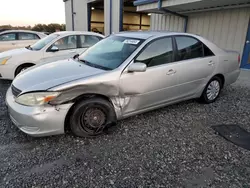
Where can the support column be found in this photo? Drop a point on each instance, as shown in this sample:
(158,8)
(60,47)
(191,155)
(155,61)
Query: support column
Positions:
(112,16)
(89,16)
(81,16)
(68,15)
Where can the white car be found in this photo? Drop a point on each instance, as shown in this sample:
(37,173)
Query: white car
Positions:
(56,46)
(12,39)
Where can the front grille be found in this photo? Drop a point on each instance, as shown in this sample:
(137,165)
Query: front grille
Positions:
(15,91)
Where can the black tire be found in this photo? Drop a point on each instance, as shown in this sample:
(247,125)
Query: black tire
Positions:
(82,125)
(22,67)
(204,97)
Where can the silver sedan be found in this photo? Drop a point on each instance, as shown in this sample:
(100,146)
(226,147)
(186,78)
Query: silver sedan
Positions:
(123,75)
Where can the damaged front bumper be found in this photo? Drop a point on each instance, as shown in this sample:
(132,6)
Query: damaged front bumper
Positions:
(37,121)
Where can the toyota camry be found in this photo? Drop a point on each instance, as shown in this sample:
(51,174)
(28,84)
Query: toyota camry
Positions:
(122,75)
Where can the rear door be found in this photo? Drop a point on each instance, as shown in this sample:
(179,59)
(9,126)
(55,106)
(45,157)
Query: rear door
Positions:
(197,64)
(26,39)
(8,41)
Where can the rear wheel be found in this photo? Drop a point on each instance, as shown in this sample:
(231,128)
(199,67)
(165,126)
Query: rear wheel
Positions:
(212,90)
(90,117)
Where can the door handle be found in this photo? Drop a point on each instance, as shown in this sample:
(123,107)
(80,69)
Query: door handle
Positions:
(171,72)
(211,63)
(13,43)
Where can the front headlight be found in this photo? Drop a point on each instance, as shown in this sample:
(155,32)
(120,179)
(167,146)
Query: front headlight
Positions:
(4,60)
(36,99)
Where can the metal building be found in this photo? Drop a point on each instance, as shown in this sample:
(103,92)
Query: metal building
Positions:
(106,16)
(225,22)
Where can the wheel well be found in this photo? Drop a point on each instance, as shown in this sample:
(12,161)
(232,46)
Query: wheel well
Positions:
(23,65)
(76,101)
(221,77)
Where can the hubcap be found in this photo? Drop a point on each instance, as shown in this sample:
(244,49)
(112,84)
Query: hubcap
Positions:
(213,90)
(23,69)
(93,120)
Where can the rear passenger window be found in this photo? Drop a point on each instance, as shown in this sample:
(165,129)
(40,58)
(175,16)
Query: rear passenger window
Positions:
(157,53)
(207,51)
(188,48)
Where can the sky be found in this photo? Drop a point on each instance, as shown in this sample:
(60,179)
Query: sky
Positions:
(31,12)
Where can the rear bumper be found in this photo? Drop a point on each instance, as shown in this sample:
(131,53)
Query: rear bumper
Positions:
(232,77)
(37,121)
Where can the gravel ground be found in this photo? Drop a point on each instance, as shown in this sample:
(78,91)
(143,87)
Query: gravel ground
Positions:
(171,147)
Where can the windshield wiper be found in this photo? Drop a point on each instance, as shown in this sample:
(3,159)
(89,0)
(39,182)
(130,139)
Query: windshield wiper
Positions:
(95,65)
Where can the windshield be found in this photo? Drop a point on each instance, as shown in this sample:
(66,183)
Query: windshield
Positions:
(43,42)
(110,52)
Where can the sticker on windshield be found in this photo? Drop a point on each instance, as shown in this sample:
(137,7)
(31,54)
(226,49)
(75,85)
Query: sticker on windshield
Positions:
(131,41)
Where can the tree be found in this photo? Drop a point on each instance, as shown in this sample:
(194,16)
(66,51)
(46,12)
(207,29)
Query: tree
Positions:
(49,28)
(38,27)
(15,27)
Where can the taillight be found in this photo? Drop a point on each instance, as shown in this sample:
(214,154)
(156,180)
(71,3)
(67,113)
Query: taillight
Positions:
(239,59)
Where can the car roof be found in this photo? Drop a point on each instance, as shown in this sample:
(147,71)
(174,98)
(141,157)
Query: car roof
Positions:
(23,31)
(148,34)
(62,33)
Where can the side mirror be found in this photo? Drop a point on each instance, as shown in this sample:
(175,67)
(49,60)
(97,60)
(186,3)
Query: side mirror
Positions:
(54,49)
(76,56)
(137,67)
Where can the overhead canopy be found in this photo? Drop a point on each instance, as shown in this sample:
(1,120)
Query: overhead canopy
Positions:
(188,6)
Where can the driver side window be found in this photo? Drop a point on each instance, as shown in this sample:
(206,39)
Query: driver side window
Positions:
(66,43)
(157,53)
(88,40)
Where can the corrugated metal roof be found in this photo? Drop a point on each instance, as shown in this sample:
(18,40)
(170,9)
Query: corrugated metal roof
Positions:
(192,5)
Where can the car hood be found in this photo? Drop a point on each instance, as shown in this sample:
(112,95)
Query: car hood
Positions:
(48,75)
(14,52)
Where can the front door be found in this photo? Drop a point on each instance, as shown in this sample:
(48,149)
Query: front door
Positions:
(246,54)
(158,84)
(26,39)
(67,48)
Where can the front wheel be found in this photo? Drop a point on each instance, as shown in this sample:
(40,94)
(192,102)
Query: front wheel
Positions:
(212,90)
(22,68)
(91,116)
